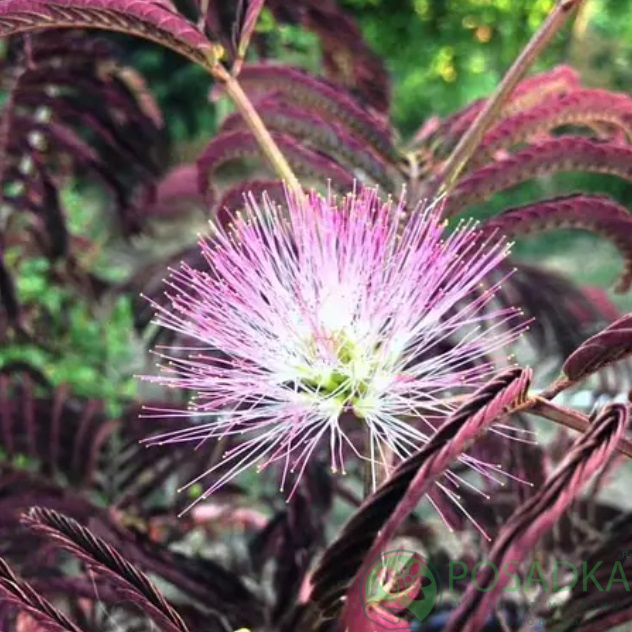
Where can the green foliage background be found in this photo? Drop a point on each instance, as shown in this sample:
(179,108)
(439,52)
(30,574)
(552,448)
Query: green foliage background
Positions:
(441,54)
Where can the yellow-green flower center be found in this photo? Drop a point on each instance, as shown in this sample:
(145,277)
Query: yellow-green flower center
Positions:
(348,381)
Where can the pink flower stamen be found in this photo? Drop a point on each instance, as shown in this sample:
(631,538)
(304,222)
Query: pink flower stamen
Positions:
(325,310)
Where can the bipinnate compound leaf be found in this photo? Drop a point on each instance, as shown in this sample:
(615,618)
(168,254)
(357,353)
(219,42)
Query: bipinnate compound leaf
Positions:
(535,517)
(565,153)
(595,213)
(610,345)
(27,599)
(145,18)
(369,530)
(104,560)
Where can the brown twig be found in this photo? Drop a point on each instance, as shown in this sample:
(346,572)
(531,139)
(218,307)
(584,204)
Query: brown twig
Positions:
(268,146)
(201,23)
(571,419)
(554,389)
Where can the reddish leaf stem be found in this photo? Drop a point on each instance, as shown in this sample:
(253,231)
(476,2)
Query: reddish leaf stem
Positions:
(471,139)
(571,419)
(258,129)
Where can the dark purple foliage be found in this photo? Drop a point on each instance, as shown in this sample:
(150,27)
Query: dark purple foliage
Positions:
(91,536)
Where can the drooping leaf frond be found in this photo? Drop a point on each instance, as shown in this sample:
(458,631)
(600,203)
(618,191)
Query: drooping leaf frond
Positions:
(588,455)
(308,163)
(611,345)
(298,87)
(597,214)
(443,136)
(26,598)
(152,20)
(64,437)
(562,314)
(604,113)
(103,559)
(566,153)
(326,136)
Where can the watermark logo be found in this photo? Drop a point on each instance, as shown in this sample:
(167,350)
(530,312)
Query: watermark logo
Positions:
(400,587)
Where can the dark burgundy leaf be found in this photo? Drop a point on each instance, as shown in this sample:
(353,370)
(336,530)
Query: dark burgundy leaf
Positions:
(580,108)
(565,153)
(594,213)
(149,19)
(66,436)
(326,136)
(611,345)
(368,531)
(306,162)
(589,454)
(528,93)
(348,59)
(176,195)
(26,598)
(328,100)
(104,560)
(562,316)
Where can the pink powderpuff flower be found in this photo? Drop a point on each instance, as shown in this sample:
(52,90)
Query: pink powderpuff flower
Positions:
(327,317)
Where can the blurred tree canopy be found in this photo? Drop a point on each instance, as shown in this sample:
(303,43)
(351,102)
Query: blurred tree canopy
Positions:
(441,54)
